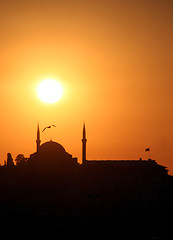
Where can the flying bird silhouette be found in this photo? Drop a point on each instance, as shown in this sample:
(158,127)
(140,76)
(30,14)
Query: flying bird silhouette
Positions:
(48,127)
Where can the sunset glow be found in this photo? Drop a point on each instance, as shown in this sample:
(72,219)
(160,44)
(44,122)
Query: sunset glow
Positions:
(113,60)
(49,91)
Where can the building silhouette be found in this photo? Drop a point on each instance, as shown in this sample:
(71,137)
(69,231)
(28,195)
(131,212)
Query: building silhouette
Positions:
(52,154)
(52,196)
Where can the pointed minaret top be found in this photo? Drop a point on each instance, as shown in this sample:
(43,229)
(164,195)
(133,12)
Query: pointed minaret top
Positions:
(38,129)
(84,140)
(84,126)
(38,141)
(84,131)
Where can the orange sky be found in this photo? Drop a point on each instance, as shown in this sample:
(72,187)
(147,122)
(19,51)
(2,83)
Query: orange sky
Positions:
(114,60)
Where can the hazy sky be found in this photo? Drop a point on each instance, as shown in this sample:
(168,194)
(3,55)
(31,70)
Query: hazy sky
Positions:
(114,60)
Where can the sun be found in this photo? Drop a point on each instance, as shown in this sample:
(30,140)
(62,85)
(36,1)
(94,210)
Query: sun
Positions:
(49,91)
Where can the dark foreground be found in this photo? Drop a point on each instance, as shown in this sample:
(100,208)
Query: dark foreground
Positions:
(85,204)
(52,226)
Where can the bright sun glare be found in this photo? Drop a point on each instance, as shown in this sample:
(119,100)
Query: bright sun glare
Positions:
(49,91)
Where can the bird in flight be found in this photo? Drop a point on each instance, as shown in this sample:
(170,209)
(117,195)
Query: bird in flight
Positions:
(48,127)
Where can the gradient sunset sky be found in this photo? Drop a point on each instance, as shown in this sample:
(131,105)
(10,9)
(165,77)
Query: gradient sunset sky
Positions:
(114,61)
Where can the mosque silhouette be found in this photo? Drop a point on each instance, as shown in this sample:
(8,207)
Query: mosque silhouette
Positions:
(53,155)
(52,196)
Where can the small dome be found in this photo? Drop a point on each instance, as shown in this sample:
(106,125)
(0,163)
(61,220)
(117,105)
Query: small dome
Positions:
(52,147)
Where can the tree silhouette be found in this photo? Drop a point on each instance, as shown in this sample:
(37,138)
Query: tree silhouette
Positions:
(9,160)
(20,160)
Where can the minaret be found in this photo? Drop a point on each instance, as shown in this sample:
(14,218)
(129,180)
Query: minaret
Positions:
(84,140)
(38,141)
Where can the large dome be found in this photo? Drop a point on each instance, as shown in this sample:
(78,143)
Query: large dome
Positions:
(51,155)
(52,147)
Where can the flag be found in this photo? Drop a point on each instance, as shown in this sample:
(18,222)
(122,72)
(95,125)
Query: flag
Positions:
(147,149)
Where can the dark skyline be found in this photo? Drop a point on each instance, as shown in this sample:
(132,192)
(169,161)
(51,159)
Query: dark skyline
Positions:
(50,194)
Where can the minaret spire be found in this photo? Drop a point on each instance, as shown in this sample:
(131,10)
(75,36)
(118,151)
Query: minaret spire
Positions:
(84,140)
(38,141)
